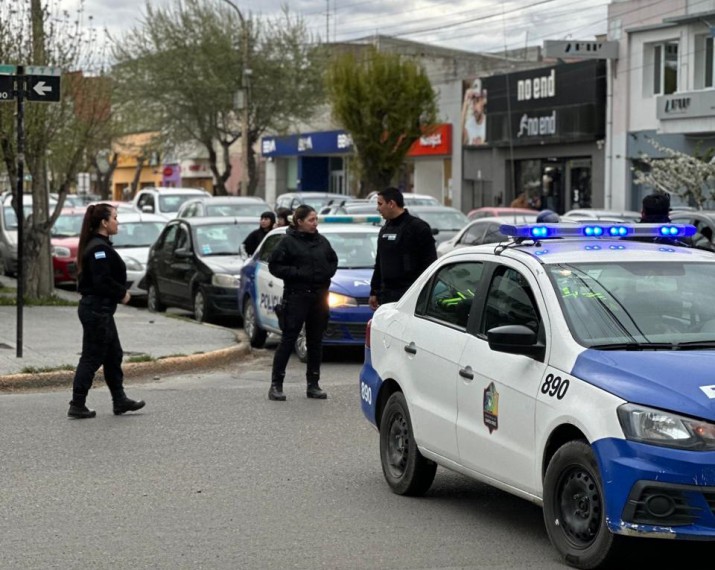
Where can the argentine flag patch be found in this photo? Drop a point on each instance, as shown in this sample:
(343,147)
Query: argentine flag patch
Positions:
(100,255)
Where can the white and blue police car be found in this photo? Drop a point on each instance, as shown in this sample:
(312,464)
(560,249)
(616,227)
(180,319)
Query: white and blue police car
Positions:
(566,365)
(354,239)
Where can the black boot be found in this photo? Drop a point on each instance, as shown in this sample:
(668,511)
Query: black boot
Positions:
(123,404)
(80,411)
(276,392)
(314,391)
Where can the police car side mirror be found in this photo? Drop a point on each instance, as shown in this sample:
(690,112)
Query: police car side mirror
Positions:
(148,208)
(515,339)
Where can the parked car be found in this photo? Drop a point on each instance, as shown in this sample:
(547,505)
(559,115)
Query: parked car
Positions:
(356,246)
(64,240)
(575,373)
(121,206)
(499,212)
(589,214)
(137,233)
(8,229)
(483,230)
(704,222)
(195,265)
(213,206)
(164,201)
(362,207)
(445,221)
(318,200)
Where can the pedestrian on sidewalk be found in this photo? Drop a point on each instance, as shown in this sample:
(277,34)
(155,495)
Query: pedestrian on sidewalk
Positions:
(102,279)
(306,262)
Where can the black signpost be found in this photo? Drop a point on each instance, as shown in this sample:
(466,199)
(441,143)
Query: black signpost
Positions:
(18,83)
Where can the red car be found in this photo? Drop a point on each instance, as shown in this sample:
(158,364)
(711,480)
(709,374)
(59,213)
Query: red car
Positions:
(64,241)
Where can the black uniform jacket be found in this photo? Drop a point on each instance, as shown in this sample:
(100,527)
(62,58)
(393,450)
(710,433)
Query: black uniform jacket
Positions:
(253,240)
(304,261)
(405,248)
(104,273)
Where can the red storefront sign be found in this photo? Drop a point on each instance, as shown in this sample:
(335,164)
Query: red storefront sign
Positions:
(437,143)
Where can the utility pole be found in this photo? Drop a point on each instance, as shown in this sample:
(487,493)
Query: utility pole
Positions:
(242,98)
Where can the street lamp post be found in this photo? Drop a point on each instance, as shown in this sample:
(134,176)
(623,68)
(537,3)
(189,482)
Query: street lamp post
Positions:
(242,99)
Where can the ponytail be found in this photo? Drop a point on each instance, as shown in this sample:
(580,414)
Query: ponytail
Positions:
(90,224)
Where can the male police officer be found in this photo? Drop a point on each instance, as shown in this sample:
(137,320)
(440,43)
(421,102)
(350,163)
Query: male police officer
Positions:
(405,248)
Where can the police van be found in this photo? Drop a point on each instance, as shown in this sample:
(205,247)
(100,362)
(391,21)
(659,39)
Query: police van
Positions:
(571,365)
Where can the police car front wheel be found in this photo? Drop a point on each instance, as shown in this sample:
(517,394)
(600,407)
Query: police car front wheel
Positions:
(574,509)
(406,470)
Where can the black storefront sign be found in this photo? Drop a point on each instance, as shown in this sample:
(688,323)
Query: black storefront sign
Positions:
(551,105)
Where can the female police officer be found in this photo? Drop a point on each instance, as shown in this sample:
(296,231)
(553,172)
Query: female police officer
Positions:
(305,261)
(102,283)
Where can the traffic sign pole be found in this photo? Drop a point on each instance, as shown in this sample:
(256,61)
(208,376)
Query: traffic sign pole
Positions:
(19,209)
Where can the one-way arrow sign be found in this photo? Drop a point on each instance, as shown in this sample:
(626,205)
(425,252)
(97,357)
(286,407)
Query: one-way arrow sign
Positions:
(43,84)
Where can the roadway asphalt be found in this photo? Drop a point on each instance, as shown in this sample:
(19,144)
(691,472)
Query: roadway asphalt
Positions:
(51,340)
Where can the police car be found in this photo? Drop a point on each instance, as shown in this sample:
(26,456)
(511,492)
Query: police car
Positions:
(354,239)
(565,365)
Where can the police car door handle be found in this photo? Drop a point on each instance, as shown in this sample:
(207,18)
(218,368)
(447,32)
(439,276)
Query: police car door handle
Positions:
(410,348)
(466,373)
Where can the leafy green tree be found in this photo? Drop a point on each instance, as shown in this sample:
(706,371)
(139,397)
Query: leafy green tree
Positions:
(56,135)
(184,64)
(692,177)
(385,102)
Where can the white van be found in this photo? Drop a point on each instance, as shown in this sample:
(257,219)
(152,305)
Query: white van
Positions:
(8,230)
(164,202)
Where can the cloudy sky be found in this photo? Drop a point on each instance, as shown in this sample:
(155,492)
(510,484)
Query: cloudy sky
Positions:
(474,25)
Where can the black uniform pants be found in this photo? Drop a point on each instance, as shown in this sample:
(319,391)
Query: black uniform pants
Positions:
(309,308)
(100,346)
(390,295)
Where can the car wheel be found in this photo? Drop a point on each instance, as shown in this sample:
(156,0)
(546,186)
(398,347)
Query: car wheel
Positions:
(202,313)
(301,346)
(574,512)
(256,335)
(153,302)
(406,470)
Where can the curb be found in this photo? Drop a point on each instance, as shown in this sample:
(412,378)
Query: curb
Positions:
(132,370)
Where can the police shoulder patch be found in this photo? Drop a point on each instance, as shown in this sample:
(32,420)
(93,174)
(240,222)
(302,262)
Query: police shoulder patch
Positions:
(100,255)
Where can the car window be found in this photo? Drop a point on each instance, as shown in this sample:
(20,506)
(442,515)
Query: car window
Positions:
(493,233)
(137,234)
(182,239)
(236,209)
(268,246)
(449,294)
(354,250)
(473,235)
(510,301)
(170,203)
(167,240)
(223,239)
(67,225)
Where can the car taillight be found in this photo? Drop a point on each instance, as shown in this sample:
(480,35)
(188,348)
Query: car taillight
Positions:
(367,333)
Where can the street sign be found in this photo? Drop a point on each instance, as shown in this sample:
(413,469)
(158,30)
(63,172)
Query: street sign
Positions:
(7,88)
(42,83)
(6,69)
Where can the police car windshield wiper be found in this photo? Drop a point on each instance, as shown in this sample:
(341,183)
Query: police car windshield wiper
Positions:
(696,344)
(636,346)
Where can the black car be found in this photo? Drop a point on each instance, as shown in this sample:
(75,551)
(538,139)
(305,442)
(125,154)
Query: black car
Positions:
(195,265)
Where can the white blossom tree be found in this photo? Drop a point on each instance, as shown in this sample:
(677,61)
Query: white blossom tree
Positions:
(691,177)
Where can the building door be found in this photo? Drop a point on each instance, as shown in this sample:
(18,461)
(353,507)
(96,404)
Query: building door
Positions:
(337,182)
(579,183)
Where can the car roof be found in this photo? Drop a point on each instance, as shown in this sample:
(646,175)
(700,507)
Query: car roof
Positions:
(692,214)
(228,199)
(173,190)
(595,213)
(336,227)
(216,220)
(134,217)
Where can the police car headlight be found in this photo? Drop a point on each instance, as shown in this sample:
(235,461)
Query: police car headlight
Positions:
(226,280)
(337,300)
(60,252)
(657,427)
(133,264)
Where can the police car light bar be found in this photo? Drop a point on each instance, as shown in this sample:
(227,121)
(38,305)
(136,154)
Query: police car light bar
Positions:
(546,231)
(335,219)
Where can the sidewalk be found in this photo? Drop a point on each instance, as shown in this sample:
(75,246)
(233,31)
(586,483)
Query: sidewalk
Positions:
(52,338)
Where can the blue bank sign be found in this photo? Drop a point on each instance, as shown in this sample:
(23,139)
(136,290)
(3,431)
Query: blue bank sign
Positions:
(307,144)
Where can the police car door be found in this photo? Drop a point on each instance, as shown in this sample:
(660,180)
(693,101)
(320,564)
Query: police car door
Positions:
(497,391)
(269,289)
(434,341)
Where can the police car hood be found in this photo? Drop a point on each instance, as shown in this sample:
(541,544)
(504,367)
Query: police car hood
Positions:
(681,381)
(230,264)
(352,282)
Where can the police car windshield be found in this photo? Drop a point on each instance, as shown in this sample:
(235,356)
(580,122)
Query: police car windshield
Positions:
(638,305)
(354,250)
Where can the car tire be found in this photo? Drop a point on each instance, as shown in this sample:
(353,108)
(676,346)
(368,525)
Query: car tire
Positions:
(202,312)
(256,335)
(153,301)
(301,346)
(574,511)
(406,470)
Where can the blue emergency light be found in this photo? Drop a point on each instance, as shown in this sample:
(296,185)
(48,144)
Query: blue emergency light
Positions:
(336,219)
(580,230)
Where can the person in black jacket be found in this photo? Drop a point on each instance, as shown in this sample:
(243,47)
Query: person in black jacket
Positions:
(405,248)
(306,262)
(102,279)
(254,239)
